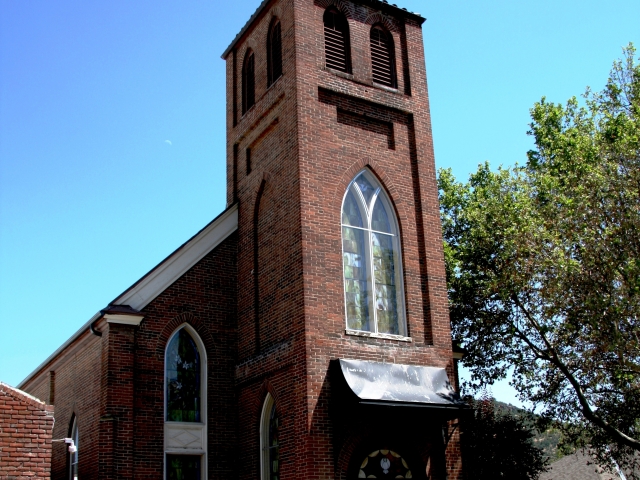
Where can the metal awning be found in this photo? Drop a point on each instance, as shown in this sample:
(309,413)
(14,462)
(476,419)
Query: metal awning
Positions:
(400,385)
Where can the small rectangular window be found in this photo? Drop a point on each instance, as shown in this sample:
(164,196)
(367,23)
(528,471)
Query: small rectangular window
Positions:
(184,467)
(248,154)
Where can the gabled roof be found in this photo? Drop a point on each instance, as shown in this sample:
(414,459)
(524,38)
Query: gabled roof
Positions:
(141,293)
(383,5)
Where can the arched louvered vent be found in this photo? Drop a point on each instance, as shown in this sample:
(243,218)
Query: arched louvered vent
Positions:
(248,82)
(274,53)
(382,57)
(336,41)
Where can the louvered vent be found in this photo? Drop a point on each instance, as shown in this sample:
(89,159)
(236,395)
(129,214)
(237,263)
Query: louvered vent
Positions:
(382,64)
(336,41)
(274,54)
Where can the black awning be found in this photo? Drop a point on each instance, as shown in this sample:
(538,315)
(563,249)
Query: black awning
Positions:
(400,385)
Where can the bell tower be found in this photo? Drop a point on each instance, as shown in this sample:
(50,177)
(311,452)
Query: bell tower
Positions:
(345,365)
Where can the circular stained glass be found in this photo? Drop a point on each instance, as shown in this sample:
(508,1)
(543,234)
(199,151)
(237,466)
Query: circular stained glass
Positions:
(384,464)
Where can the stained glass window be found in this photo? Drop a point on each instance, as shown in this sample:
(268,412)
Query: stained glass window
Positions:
(371,259)
(384,464)
(183,379)
(270,440)
(183,467)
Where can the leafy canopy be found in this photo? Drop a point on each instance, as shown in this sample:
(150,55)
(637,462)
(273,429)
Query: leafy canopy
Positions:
(543,266)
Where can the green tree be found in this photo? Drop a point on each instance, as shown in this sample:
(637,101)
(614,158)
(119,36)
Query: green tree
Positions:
(500,444)
(543,267)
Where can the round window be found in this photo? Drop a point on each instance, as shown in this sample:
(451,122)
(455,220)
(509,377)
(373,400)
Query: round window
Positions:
(384,464)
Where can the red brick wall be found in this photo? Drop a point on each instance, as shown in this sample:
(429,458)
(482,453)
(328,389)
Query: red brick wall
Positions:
(323,127)
(205,298)
(26,425)
(114,383)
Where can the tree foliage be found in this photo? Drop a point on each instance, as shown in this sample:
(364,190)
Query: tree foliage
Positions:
(500,444)
(543,266)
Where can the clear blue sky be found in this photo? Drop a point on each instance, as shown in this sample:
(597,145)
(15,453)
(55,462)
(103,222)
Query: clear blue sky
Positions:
(112,130)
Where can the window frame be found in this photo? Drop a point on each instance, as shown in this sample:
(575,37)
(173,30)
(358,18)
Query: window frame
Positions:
(246,106)
(74,434)
(197,429)
(366,216)
(271,78)
(392,56)
(346,34)
(268,406)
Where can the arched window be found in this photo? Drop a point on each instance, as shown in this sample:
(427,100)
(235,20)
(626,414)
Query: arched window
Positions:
(383,64)
(337,48)
(274,52)
(371,259)
(73,456)
(185,427)
(269,441)
(248,81)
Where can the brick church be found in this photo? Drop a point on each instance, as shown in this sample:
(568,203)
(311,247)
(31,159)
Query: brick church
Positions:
(304,332)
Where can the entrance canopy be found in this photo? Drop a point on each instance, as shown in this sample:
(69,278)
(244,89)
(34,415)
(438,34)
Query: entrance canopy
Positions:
(400,385)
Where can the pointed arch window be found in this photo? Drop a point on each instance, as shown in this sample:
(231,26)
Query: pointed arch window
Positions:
(372,268)
(73,456)
(269,441)
(337,45)
(248,81)
(185,428)
(383,64)
(274,52)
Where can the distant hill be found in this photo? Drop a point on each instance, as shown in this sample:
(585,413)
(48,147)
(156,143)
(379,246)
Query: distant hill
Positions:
(547,440)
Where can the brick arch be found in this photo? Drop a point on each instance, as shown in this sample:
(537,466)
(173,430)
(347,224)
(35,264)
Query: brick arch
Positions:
(266,28)
(346,8)
(387,22)
(387,184)
(359,444)
(266,387)
(172,325)
(275,13)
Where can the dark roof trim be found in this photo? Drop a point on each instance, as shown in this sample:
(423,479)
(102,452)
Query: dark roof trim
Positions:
(383,5)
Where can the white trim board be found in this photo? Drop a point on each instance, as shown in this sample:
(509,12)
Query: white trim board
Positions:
(179,262)
(161,276)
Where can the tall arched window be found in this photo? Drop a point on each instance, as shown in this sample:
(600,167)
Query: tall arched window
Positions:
(248,81)
(337,47)
(383,64)
(269,441)
(274,52)
(73,456)
(185,405)
(371,260)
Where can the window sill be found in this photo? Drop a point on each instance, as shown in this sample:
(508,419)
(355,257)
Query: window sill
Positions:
(386,336)
(384,87)
(339,73)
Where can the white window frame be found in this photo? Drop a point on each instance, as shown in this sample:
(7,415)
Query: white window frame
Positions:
(265,417)
(176,433)
(366,212)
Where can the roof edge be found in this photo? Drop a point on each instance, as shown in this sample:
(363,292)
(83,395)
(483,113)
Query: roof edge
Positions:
(227,214)
(382,4)
(156,280)
(60,349)
(22,395)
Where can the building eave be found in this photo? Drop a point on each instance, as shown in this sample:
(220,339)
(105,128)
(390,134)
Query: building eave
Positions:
(383,5)
(141,293)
